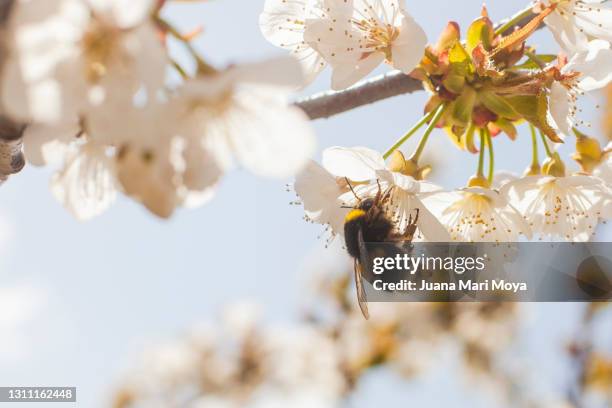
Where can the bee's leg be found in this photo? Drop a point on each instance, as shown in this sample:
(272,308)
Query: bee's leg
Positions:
(411,227)
(387,195)
(416,217)
(352,190)
(379,192)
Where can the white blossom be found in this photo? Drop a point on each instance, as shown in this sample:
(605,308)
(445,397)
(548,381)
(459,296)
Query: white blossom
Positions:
(477,214)
(568,207)
(85,183)
(586,71)
(355,37)
(295,366)
(283,22)
(149,159)
(575,22)
(69,58)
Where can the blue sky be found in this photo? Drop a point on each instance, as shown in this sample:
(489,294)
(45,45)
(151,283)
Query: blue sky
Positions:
(101,291)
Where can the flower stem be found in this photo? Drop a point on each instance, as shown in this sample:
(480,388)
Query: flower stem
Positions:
(480,172)
(546,147)
(412,131)
(514,20)
(489,140)
(535,160)
(203,66)
(439,111)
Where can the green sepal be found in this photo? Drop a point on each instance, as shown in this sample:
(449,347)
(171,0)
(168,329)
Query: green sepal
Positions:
(534,109)
(498,105)
(463,106)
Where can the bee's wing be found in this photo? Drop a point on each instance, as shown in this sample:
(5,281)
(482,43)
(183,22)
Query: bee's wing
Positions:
(361,263)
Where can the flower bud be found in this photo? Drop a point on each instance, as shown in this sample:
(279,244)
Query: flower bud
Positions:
(533,170)
(588,152)
(588,146)
(410,167)
(479,181)
(554,166)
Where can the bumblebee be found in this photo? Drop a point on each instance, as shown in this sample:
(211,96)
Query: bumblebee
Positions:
(369,222)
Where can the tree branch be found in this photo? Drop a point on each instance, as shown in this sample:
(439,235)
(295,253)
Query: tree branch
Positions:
(11,156)
(326,104)
(330,103)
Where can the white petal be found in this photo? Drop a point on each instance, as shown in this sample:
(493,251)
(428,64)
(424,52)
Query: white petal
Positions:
(268,137)
(320,193)
(53,99)
(406,183)
(356,163)
(123,13)
(202,171)
(408,48)
(604,170)
(501,178)
(283,72)
(347,74)
(430,226)
(86,185)
(338,44)
(559,108)
(148,175)
(594,65)
(566,32)
(596,21)
(147,57)
(282,22)
(312,63)
(45,144)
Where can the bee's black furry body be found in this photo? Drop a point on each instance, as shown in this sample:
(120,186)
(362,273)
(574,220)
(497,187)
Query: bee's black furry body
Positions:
(375,228)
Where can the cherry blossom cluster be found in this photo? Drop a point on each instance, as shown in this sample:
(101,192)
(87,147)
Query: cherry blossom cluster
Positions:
(241,361)
(89,78)
(485,84)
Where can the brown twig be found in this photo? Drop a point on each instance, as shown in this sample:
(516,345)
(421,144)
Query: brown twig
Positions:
(326,104)
(11,156)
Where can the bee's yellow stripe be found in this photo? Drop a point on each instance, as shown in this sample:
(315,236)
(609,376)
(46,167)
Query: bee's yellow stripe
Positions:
(354,214)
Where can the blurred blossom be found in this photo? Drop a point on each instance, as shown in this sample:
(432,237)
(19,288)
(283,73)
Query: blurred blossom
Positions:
(243,114)
(70,58)
(316,363)
(260,367)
